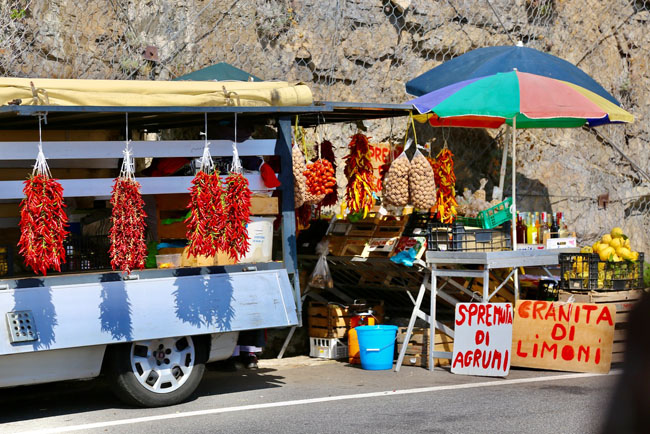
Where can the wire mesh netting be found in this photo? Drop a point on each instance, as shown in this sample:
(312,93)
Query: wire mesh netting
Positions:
(365,50)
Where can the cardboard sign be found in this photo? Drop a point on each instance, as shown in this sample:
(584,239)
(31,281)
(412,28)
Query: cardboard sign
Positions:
(482,339)
(380,155)
(563,336)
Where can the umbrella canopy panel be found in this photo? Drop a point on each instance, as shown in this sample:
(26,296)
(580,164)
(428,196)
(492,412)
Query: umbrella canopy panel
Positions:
(219,72)
(487,61)
(535,101)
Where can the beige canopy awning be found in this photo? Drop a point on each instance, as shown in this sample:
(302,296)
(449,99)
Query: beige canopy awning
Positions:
(44,91)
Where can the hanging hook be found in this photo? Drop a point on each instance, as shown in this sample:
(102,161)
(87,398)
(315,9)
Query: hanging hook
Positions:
(236,166)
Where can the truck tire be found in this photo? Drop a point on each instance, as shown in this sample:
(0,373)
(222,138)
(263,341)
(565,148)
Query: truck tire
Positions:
(157,372)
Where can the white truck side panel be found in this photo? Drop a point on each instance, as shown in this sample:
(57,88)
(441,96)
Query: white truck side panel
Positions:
(82,315)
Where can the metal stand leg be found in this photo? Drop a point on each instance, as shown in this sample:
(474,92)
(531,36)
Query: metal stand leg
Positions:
(432,316)
(516,277)
(414,315)
(486,285)
(286,341)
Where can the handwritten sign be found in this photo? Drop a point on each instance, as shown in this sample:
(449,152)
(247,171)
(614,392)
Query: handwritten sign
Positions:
(563,336)
(379,156)
(482,339)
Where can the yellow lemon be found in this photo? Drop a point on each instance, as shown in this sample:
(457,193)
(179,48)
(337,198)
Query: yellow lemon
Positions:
(624,253)
(616,243)
(601,267)
(617,232)
(606,252)
(626,243)
(587,249)
(607,238)
(634,256)
(596,246)
(616,258)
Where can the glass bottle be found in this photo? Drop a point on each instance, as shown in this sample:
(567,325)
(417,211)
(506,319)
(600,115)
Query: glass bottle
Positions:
(521,230)
(543,228)
(555,228)
(564,231)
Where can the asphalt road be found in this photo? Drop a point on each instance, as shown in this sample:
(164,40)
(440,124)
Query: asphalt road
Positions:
(305,395)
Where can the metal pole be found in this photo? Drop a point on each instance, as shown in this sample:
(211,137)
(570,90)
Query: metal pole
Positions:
(504,167)
(514,200)
(432,316)
(287,207)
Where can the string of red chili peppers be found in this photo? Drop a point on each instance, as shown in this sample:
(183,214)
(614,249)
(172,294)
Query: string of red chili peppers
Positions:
(128,249)
(238,211)
(43,224)
(206,224)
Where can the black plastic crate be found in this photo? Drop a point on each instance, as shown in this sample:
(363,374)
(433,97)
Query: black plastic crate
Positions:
(417,225)
(457,238)
(586,272)
(85,253)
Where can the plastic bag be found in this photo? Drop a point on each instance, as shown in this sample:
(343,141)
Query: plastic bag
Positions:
(422,184)
(321,276)
(396,183)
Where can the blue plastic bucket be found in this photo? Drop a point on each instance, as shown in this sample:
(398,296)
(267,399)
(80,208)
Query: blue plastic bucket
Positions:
(376,346)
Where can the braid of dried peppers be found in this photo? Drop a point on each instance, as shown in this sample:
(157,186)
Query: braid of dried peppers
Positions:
(128,249)
(207,222)
(42,224)
(359,171)
(237,206)
(445,178)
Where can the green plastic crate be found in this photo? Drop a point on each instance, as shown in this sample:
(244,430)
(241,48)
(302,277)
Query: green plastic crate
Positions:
(496,215)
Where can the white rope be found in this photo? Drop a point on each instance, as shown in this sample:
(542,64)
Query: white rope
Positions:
(40,166)
(236,166)
(128,163)
(206,164)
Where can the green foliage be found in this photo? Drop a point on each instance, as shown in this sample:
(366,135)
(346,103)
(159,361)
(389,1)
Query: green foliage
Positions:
(18,14)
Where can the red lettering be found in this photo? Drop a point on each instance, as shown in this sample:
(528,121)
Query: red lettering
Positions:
(496,359)
(550,313)
(577,315)
(589,308)
(550,348)
(488,313)
(567,352)
(535,348)
(473,308)
(572,332)
(565,312)
(479,337)
(559,332)
(597,359)
(477,358)
(468,358)
(486,363)
(537,309)
(523,309)
(506,361)
(481,314)
(384,153)
(583,350)
(605,316)
(487,338)
(509,311)
(461,314)
(458,359)
(519,352)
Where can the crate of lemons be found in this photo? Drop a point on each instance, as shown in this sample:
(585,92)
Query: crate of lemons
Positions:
(619,266)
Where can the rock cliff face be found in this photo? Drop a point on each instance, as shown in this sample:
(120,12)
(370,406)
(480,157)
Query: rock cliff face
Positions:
(364,50)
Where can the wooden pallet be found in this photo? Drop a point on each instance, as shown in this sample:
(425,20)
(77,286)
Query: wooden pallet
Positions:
(346,246)
(623,301)
(327,320)
(390,227)
(417,350)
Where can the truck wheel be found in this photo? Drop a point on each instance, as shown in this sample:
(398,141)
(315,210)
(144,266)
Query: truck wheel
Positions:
(157,372)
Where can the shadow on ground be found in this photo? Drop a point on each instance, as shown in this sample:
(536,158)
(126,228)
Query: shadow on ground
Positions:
(74,397)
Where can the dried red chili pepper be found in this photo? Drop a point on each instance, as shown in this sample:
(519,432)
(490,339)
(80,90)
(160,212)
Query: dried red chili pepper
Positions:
(43,224)
(128,249)
(445,179)
(237,207)
(327,153)
(207,222)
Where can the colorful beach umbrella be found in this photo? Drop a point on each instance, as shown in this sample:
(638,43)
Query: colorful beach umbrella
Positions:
(521,100)
(487,61)
(517,98)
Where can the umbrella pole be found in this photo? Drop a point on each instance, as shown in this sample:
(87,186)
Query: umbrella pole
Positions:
(514,201)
